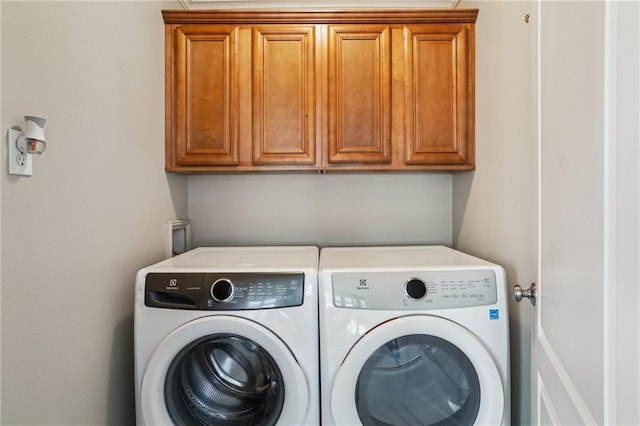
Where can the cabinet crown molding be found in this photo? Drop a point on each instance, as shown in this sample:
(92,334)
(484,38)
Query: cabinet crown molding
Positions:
(298,16)
(315,4)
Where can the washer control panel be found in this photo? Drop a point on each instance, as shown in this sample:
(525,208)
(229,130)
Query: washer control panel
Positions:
(224,291)
(414,290)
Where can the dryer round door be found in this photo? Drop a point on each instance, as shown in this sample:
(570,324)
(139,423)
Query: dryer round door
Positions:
(421,370)
(223,370)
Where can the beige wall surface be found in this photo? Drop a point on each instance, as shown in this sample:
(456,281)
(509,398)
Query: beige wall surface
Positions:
(95,210)
(494,207)
(321,209)
(93,213)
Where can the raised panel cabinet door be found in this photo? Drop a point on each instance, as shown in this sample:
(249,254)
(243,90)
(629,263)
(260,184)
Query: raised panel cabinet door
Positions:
(439,94)
(206,95)
(284,94)
(359,94)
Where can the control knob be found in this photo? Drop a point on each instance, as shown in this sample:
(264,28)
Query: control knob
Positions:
(222,290)
(415,289)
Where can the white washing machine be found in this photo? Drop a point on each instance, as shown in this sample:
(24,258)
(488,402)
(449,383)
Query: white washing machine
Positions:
(228,336)
(412,336)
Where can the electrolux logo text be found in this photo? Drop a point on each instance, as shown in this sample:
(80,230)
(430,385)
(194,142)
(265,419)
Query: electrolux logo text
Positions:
(173,284)
(363,284)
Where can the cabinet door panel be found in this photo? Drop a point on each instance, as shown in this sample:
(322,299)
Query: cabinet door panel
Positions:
(439,95)
(359,102)
(284,96)
(206,95)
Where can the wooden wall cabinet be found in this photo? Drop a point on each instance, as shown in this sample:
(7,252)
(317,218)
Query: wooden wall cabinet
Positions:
(284,95)
(319,91)
(359,94)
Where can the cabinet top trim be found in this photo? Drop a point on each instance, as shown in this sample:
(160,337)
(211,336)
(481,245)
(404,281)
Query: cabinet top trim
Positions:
(407,16)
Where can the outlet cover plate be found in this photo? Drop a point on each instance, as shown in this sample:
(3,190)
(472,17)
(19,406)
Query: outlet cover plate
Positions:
(16,167)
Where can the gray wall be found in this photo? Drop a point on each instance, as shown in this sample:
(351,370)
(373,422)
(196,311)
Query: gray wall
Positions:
(321,209)
(95,210)
(494,207)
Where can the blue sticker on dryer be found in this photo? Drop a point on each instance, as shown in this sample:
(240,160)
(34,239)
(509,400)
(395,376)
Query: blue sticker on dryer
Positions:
(494,314)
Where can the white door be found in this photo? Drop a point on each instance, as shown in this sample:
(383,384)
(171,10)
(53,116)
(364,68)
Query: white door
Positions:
(585,360)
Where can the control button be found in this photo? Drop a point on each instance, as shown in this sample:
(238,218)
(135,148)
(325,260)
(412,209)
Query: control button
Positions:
(222,290)
(415,289)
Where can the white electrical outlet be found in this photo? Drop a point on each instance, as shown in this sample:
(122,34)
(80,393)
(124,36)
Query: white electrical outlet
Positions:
(19,163)
(21,160)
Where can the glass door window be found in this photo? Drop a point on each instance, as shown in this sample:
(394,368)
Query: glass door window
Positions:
(225,380)
(418,380)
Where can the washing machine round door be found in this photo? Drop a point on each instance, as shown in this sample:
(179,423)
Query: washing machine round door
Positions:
(223,370)
(418,370)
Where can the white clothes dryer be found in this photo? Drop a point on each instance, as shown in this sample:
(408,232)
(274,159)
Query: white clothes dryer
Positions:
(413,335)
(228,336)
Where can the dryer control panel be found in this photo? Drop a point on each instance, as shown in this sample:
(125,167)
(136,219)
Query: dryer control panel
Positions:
(224,291)
(414,290)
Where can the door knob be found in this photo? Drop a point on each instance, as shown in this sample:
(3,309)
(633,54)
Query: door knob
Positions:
(530,293)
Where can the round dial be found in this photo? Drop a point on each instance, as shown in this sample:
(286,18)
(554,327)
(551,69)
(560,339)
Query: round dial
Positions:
(415,289)
(222,290)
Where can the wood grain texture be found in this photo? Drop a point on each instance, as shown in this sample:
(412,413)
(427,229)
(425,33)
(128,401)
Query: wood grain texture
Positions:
(291,90)
(206,103)
(284,98)
(439,98)
(359,58)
